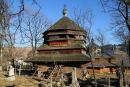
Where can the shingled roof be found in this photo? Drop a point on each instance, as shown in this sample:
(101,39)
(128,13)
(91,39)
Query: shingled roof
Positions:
(75,46)
(73,34)
(65,23)
(59,58)
(101,64)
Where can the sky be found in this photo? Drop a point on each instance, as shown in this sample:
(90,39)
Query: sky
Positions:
(53,10)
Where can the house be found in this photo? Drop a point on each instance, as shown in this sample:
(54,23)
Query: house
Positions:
(64,44)
(101,64)
(111,57)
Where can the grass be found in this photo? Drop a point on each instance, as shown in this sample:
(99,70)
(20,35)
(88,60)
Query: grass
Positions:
(27,81)
(106,75)
(21,81)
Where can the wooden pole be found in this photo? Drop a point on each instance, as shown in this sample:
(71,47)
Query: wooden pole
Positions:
(122,69)
(20,70)
(109,85)
(74,79)
(91,54)
(51,82)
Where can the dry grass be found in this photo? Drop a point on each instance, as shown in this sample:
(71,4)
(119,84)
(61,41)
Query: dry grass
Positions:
(21,81)
(26,81)
(105,75)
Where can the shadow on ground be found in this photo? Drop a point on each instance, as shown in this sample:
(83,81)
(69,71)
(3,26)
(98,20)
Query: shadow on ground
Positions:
(102,82)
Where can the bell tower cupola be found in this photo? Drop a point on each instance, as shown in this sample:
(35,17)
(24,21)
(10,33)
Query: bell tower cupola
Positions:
(65,11)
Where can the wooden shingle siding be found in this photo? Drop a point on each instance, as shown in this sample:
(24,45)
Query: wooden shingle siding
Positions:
(63,42)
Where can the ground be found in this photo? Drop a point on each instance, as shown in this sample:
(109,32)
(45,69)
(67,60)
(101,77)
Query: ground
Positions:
(29,81)
(21,81)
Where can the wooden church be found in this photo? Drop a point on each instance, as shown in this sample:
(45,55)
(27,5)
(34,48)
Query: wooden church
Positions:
(64,44)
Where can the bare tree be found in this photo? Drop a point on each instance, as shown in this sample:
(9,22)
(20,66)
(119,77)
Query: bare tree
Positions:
(5,25)
(35,25)
(85,20)
(122,35)
(4,21)
(120,11)
(6,15)
(100,38)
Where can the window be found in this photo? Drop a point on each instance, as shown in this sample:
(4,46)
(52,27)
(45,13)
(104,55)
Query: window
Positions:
(71,36)
(62,36)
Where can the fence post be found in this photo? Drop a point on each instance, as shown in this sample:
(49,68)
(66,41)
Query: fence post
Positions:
(40,84)
(20,70)
(109,85)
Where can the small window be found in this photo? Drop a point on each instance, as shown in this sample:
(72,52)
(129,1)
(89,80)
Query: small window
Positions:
(55,52)
(62,36)
(71,36)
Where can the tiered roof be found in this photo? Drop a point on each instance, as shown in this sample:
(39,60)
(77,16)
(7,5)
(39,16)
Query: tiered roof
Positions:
(65,23)
(60,58)
(62,25)
(46,47)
